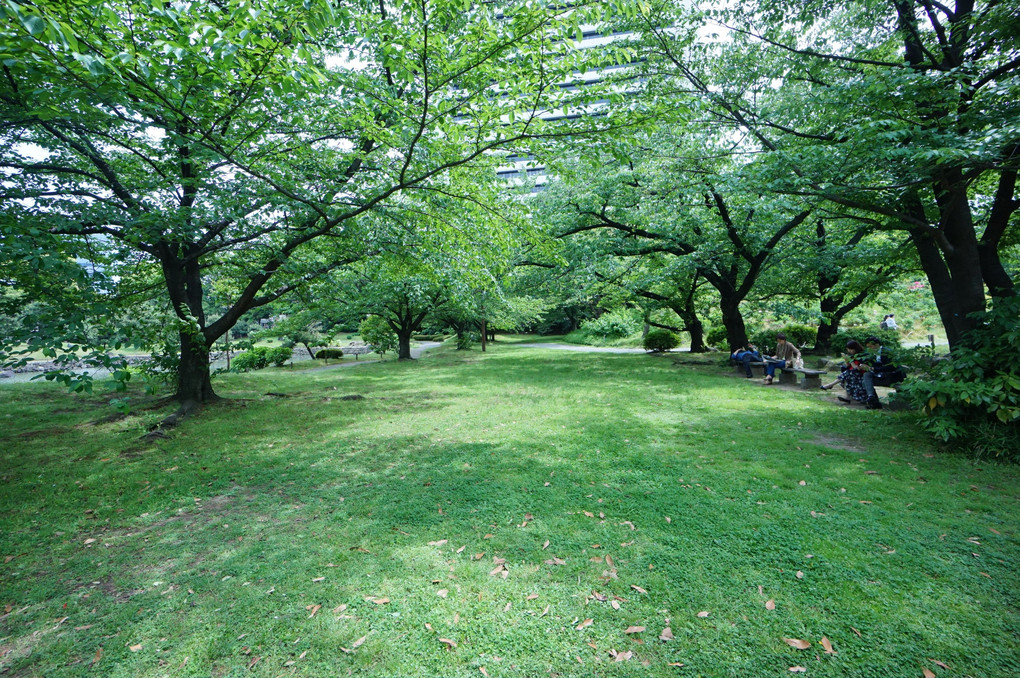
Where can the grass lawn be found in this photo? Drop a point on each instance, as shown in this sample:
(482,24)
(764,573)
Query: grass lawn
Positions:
(515,513)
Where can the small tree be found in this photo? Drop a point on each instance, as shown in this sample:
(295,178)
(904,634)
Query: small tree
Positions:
(378,333)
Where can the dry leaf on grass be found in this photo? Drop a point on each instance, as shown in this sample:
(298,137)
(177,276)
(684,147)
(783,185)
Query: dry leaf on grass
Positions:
(545,611)
(438,543)
(668,519)
(798,669)
(797,643)
(318,579)
(704,613)
(827,645)
(857,632)
(634,629)
(637,588)
(99,655)
(555,561)
(800,575)
(667,634)
(623,656)
(496,570)
(483,671)
(545,545)
(616,605)
(586,622)
(939,664)
(314,609)
(135,648)
(449,643)
(928,673)
(442,593)
(531,596)
(770,604)
(380,601)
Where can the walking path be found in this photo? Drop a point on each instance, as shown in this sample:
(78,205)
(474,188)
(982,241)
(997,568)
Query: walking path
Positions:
(584,349)
(416,352)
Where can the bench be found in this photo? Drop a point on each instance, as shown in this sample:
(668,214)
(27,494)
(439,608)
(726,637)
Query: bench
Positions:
(356,349)
(787,375)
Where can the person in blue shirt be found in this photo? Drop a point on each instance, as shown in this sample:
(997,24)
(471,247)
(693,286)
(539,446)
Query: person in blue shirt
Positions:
(746,354)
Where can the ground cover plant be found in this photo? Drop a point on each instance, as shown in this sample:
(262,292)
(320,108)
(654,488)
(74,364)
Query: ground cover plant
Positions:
(518,512)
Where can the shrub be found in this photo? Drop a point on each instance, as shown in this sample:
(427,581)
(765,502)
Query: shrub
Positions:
(615,325)
(658,341)
(972,399)
(254,358)
(798,335)
(717,337)
(279,355)
(329,354)
(888,338)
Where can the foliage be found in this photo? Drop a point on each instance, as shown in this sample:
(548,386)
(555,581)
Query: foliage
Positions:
(613,325)
(717,337)
(888,338)
(798,335)
(260,357)
(330,354)
(376,332)
(658,341)
(972,398)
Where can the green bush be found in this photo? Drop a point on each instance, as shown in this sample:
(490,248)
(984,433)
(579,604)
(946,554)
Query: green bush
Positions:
(329,354)
(972,399)
(254,358)
(279,355)
(888,338)
(717,337)
(614,325)
(658,341)
(798,335)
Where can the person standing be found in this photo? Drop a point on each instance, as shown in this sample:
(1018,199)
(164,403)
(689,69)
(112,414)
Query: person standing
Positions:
(785,354)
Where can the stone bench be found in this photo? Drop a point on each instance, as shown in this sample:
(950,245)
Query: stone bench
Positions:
(812,378)
(356,350)
(787,375)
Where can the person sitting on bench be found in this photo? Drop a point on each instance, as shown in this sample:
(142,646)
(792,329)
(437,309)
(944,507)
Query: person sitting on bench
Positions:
(746,355)
(881,372)
(786,353)
(851,375)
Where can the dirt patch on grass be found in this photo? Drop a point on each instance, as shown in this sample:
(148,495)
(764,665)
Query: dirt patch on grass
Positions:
(41,433)
(837,443)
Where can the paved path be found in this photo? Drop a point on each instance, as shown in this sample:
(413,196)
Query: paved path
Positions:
(584,349)
(416,352)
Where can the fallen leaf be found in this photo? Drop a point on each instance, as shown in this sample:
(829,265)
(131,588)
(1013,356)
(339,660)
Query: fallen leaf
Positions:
(449,643)
(623,656)
(359,642)
(797,643)
(545,611)
(616,605)
(827,645)
(496,560)
(629,524)
(314,609)
(857,632)
(478,556)
(496,570)
(253,662)
(667,634)
(380,601)
(668,519)
(704,613)
(531,596)
(800,575)
(456,618)
(483,671)
(135,648)
(461,549)
(803,482)
(938,663)
(871,473)
(634,629)
(438,543)
(636,587)
(317,579)
(508,606)
(586,622)
(428,626)
(99,655)
(928,673)
(675,664)
(339,608)
(587,513)
(770,604)
(545,545)
(555,561)
(798,669)
(442,593)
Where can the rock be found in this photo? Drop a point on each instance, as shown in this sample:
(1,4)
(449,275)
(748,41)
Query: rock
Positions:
(6,374)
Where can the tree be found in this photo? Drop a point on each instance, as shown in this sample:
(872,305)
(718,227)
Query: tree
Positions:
(902,109)
(220,141)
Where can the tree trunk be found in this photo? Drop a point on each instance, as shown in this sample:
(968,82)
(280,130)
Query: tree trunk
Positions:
(194,386)
(404,344)
(736,331)
(697,332)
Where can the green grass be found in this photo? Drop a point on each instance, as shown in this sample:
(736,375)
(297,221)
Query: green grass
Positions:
(211,549)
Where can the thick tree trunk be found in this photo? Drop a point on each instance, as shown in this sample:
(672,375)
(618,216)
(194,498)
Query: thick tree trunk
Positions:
(826,331)
(194,386)
(404,345)
(733,321)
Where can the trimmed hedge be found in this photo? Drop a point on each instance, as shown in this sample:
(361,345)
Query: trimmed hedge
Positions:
(658,341)
(261,357)
(329,354)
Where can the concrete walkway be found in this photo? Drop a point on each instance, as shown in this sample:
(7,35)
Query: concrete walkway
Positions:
(416,352)
(584,349)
